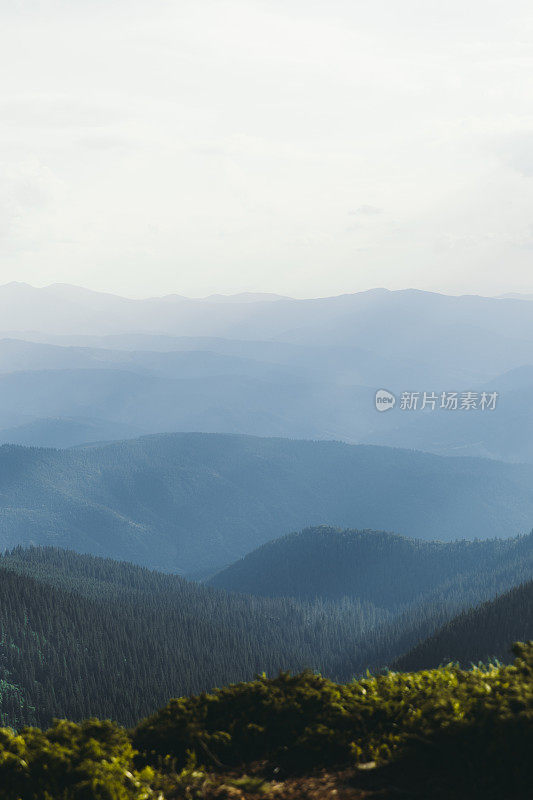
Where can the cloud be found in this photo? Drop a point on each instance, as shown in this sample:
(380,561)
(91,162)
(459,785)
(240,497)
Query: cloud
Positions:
(517,151)
(366,211)
(158,147)
(29,191)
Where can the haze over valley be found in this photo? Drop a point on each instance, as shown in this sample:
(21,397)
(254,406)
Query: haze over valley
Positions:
(79,366)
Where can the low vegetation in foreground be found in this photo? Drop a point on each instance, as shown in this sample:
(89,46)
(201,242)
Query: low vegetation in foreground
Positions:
(441,733)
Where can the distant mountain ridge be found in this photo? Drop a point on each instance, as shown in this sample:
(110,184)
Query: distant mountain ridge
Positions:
(277,366)
(62,432)
(346,319)
(192,502)
(262,389)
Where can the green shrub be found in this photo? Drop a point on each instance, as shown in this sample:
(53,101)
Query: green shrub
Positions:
(483,753)
(90,761)
(442,733)
(303,721)
(304,716)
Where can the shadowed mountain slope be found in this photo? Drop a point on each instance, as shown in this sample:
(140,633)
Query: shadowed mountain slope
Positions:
(480,634)
(378,567)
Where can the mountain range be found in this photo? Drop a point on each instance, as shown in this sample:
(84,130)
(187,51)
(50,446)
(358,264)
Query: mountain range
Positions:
(196,490)
(362,318)
(197,502)
(78,366)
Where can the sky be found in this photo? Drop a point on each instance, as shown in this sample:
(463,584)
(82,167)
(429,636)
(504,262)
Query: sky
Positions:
(305,148)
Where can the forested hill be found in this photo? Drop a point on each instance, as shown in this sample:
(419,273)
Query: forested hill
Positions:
(379,567)
(84,636)
(186,502)
(480,634)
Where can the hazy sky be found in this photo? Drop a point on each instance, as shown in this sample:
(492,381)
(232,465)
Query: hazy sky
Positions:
(306,148)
